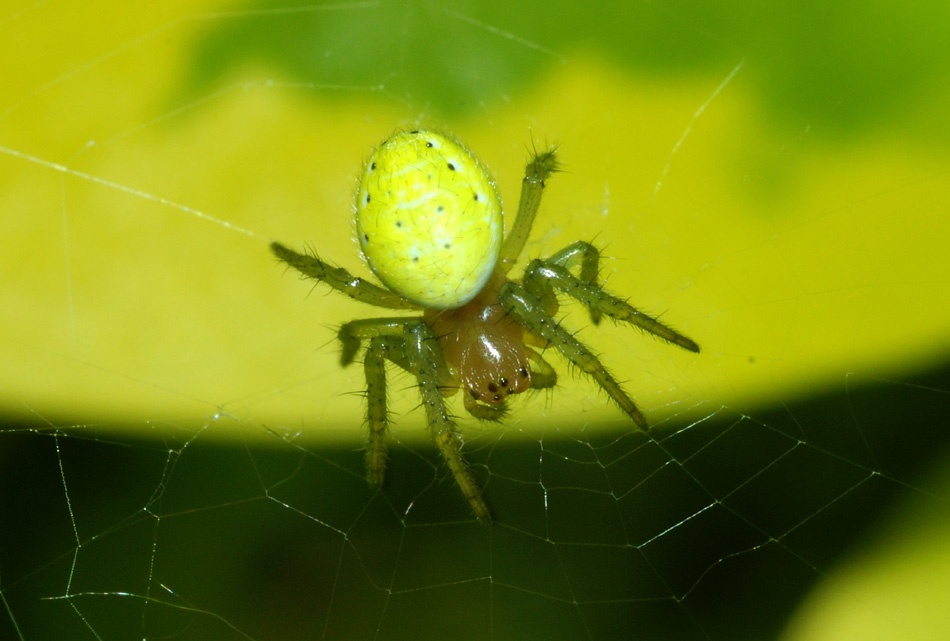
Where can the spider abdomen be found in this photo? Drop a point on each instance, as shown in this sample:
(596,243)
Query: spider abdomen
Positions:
(429,219)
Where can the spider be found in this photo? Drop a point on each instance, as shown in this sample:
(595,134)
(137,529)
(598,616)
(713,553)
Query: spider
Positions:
(429,224)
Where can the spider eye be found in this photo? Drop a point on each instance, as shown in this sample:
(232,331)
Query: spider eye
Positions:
(420,235)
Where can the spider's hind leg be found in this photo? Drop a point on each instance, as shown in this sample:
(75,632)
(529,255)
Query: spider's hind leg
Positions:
(311,266)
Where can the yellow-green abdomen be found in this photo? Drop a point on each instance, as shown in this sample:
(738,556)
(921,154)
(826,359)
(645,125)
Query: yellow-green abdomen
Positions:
(429,219)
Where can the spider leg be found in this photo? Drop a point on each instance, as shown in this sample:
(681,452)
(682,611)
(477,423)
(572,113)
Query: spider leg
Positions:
(353,333)
(538,169)
(529,311)
(541,277)
(385,342)
(376,413)
(426,361)
(586,256)
(412,345)
(340,279)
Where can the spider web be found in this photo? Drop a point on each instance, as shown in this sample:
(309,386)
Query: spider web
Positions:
(181,453)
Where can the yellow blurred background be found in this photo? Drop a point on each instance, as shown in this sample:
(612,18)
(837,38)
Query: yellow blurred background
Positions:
(141,214)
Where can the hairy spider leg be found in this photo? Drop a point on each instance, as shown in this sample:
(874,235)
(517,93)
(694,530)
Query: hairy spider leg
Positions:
(385,343)
(538,169)
(425,358)
(529,311)
(585,255)
(353,333)
(422,358)
(542,277)
(340,279)
(412,345)
(377,450)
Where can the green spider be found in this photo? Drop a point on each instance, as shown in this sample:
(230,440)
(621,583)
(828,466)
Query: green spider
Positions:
(430,225)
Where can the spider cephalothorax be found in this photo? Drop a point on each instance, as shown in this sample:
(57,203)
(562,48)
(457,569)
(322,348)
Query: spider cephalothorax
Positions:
(429,222)
(484,346)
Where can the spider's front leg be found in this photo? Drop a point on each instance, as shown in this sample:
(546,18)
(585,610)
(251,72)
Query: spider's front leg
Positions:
(412,345)
(543,277)
(425,360)
(530,312)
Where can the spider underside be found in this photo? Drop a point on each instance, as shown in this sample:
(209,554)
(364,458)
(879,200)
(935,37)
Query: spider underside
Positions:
(491,346)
